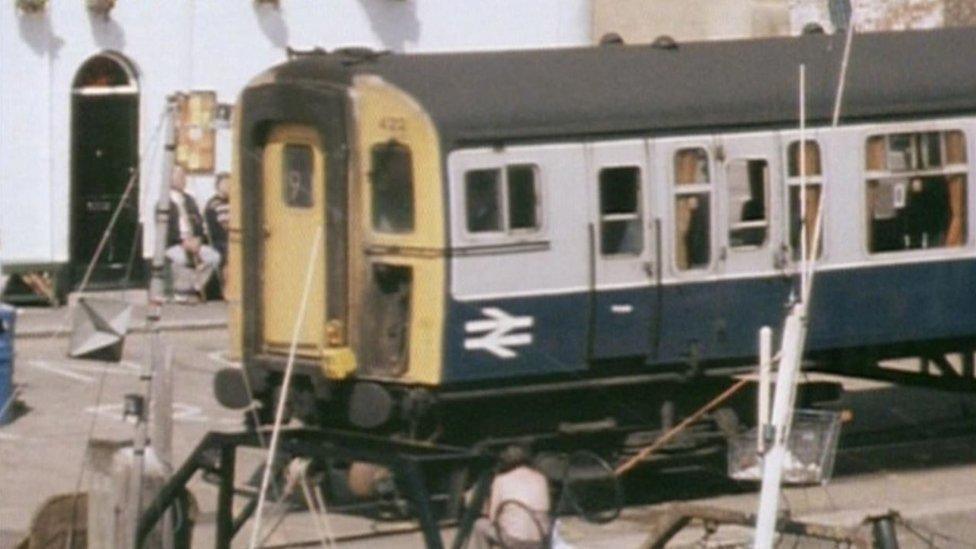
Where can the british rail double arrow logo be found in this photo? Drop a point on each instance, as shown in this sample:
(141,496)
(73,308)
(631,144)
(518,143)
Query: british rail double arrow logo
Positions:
(497,328)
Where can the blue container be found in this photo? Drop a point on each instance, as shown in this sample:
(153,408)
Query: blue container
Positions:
(8,321)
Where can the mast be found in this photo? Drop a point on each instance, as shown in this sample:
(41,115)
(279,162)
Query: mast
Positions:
(794,328)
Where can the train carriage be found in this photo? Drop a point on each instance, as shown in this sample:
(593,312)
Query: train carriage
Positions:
(552,225)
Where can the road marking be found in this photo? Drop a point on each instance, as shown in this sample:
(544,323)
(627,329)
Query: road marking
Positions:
(49,367)
(135,367)
(186,413)
(220,357)
(122,368)
(8,436)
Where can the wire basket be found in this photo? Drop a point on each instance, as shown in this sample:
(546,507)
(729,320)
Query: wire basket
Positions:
(809,456)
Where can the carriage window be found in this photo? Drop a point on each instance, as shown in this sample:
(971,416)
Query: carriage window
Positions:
(483,200)
(814,182)
(916,190)
(392,180)
(692,193)
(748,182)
(620,212)
(486,191)
(296,176)
(522,202)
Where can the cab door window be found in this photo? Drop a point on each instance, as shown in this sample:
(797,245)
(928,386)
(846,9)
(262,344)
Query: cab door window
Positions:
(391,175)
(296,177)
(692,209)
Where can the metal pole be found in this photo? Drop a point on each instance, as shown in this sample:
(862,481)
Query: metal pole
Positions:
(794,334)
(791,355)
(225,497)
(417,492)
(804,230)
(154,311)
(763,434)
(883,531)
(157,281)
(161,404)
(473,511)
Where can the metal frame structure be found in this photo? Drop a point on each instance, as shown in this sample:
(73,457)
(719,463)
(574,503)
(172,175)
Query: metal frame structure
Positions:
(408,461)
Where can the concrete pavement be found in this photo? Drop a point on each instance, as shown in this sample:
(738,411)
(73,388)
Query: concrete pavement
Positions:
(68,400)
(34,322)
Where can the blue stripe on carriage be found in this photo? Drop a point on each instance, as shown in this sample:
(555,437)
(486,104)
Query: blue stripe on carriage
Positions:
(858,307)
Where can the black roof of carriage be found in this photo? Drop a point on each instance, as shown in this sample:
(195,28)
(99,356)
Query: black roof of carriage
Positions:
(571,93)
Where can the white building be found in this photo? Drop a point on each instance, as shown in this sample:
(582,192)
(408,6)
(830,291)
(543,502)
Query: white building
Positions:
(82,94)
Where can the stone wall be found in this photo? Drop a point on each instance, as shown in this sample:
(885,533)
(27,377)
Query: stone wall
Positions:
(887,15)
(640,21)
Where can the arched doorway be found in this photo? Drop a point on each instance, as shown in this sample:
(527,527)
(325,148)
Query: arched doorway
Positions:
(104,162)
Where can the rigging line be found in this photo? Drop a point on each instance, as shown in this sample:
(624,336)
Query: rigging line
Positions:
(933,533)
(281,505)
(324,532)
(666,437)
(132,260)
(286,385)
(10,401)
(151,151)
(252,410)
(108,229)
(320,500)
(835,122)
(926,539)
(842,79)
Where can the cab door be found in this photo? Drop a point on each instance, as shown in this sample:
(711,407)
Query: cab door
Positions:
(293,213)
(621,249)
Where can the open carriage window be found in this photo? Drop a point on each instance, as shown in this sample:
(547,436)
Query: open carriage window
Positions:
(391,175)
(692,199)
(916,190)
(501,200)
(814,190)
(748,188)
(620,212)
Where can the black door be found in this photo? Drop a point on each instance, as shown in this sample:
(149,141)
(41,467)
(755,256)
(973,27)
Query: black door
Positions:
(104,158)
